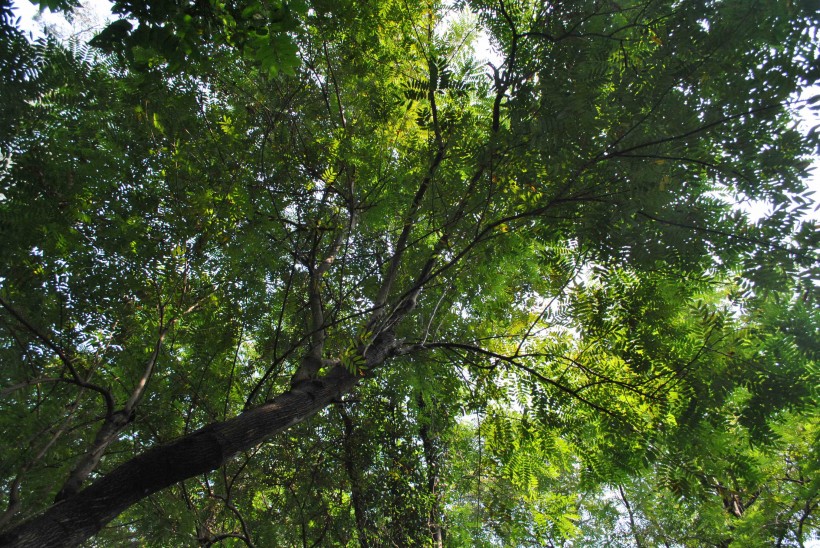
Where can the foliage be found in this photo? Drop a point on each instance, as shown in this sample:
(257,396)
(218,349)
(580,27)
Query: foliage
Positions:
(562,325)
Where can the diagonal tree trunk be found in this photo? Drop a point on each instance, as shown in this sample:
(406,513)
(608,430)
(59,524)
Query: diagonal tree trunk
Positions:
(77,518)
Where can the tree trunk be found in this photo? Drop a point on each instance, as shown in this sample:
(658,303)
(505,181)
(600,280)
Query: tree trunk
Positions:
(79,517)
(353,473)
(431,458)
(633,526)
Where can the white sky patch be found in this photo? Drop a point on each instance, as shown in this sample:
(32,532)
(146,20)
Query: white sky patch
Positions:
(806,120)
(86,21)
(811,119)
(482,48)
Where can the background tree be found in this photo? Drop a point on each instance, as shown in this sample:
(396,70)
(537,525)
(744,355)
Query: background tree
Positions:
(518,299)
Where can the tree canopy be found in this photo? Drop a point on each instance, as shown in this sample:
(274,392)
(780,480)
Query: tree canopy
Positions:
(316,273)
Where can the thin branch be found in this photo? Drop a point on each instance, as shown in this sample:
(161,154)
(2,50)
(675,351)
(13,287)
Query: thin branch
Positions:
(632,523)
(335,86)
(689,133)
(245,532)
(401,245)
(276,362)
(755,241)
(142,384)
(9,389)
(512,360)
(14,504)
(538,318)
(62,354)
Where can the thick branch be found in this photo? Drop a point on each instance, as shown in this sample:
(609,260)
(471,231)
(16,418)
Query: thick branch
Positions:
(72,521)
(401,245)
(312,362)
(76,519)
(111,427)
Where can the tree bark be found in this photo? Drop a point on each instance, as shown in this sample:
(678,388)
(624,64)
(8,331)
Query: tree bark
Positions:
(633,526)
(107,434)
(353,473)
(79,517)
(431,458)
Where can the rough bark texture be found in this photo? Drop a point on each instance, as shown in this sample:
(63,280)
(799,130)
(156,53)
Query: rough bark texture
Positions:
(431,458)
(352,468)
(79,517)
(107,434)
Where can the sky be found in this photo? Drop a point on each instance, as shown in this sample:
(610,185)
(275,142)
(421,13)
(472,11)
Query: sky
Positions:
(92,19)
